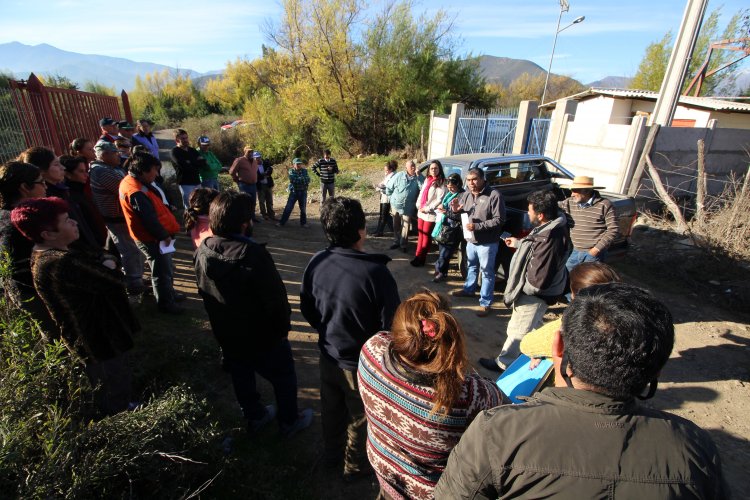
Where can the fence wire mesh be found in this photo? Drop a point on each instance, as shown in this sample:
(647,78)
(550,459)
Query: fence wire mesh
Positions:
(486,131)
(12,142)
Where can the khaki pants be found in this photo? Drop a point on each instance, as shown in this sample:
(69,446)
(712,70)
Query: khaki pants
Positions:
(401,228)
(343,416)
(528,314)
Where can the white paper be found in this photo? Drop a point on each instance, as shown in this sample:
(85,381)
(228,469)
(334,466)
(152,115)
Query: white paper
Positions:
(468,235)
(164,248)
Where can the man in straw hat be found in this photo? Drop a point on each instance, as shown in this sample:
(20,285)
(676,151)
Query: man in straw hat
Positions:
(591,219)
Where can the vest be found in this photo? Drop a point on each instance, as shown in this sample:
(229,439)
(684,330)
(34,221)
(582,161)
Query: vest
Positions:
(137,230)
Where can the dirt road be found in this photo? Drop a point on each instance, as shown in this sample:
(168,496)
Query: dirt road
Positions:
(707,379)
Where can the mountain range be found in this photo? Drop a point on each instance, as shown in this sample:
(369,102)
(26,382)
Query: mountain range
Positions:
(20,60)
(43,59)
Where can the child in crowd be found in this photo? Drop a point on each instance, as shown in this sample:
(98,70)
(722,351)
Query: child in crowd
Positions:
(299,180)
(85,295)
(196,216)
(237,280)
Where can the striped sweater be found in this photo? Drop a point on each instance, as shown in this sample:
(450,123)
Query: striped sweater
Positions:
(592,226)
(105,190)
(408,447)
(326,170)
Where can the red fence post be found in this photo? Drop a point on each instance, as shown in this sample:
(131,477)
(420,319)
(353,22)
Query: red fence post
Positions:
(126,107)
(43,110)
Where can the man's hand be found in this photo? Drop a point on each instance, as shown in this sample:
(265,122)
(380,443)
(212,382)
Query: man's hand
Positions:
(167,240)
(593,251)
(511,242)
(470,226)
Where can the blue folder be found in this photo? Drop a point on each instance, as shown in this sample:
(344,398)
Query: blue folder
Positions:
(517,380)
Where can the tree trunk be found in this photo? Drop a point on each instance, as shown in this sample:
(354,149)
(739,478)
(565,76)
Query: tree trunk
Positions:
(682,226)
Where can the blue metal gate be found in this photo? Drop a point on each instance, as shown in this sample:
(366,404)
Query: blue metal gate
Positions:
(538,136)
(486,131)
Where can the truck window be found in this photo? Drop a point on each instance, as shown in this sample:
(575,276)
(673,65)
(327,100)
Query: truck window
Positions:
(515,173)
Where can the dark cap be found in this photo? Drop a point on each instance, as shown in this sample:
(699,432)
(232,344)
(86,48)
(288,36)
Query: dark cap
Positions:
(454,179)
(107,121)
(125,125)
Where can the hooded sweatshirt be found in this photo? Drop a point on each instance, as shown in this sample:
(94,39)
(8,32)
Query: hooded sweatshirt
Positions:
(243,294)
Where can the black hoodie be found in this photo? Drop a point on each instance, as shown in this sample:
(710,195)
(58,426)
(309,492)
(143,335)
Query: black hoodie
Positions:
(243,294)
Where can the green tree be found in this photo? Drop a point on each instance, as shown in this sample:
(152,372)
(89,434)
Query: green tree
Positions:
(99,88)
(653,66)
(58,81)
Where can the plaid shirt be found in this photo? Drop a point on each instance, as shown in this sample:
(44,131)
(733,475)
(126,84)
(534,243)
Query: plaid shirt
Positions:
(298,180)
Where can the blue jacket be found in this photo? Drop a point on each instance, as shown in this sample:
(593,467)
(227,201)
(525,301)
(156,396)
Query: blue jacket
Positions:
(403,192)
(347,296)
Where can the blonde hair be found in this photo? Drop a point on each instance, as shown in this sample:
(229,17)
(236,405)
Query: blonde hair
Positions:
(438,349)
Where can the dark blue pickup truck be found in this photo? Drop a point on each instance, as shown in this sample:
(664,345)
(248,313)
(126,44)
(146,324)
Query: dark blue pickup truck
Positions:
(515,176)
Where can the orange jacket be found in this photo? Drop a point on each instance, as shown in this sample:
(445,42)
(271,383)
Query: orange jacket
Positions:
(130,185)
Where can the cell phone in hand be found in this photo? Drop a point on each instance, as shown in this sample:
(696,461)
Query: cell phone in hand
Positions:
(505,235)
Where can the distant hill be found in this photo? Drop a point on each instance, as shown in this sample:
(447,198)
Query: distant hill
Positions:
(505,69)
(612,82)
(43,59)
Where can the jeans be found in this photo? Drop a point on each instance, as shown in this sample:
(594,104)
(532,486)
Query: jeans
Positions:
(276,366)
(132,259)
(445,252)
(401,228)
(424,239)
(481,258)
(385,219)
(186,189)
(211,184)
(528,312)
(299,197)
(327,189)
(343,416)
(581,256)
(252,190)
(265,200)
(161,272)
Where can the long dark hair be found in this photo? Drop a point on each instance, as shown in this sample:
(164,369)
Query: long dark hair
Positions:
(13,175)
(426,336)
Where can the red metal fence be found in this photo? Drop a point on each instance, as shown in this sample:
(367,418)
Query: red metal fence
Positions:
(53,117)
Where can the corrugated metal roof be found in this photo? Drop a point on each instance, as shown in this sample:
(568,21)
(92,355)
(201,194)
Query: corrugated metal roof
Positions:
(690,101)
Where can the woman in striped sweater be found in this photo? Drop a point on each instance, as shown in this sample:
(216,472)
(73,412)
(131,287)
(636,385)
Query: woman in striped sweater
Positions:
(417,396)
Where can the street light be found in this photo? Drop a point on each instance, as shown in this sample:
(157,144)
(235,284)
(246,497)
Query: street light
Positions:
(563,8)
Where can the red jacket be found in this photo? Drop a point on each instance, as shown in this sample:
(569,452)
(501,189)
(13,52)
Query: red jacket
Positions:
(136,227)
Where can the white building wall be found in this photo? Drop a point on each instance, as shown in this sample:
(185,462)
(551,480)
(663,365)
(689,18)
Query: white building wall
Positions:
(440,140)
(596,151)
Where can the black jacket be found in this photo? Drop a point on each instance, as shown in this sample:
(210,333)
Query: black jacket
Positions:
(347,296)
(243,294)
(187,164)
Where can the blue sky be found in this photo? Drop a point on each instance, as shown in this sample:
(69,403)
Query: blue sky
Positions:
(203,35)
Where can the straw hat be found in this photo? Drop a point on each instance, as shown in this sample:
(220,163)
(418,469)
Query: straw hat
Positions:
(582,182)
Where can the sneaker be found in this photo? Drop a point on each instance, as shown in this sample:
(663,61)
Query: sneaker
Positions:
(394,246)
(279,224)
(491,365)
(462,293)
(257,220)
(438,277)
(255,425)
(304,419)
(484,311)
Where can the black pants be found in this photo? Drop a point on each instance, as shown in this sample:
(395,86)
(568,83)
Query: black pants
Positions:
(385,218)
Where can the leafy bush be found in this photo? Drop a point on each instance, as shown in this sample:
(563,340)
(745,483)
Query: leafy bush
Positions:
(51,446)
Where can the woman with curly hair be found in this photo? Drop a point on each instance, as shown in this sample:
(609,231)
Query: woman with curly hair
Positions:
(418,397)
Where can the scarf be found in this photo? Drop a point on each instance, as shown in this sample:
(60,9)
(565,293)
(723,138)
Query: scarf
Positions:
(426,191)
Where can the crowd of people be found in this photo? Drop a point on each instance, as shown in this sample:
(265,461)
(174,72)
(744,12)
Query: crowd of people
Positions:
(398,396)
